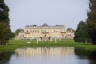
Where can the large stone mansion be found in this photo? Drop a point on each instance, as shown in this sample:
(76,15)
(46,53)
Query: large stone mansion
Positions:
(45,32)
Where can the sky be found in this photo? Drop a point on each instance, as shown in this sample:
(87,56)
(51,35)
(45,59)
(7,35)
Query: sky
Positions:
(52,12)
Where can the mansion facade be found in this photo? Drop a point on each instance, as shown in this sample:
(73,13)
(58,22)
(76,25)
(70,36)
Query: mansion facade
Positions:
(45,32)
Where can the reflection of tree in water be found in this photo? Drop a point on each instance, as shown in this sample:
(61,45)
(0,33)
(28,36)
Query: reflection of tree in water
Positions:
(4,57)
(85,54)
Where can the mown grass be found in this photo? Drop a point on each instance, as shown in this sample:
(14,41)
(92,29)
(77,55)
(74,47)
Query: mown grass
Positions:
(13,44)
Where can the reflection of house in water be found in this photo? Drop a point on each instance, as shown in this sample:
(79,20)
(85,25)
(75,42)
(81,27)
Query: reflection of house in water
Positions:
(59,51)
(45,32)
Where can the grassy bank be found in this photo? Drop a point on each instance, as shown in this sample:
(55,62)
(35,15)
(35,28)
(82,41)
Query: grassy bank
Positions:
(13,44)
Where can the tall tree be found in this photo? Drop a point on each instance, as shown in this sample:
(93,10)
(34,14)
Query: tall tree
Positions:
(81,34)
(4,23)
(92,21)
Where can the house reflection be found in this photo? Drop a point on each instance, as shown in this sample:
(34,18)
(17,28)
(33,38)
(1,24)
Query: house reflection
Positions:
(58,51)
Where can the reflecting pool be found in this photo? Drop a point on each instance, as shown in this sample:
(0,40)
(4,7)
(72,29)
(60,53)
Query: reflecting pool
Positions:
(52,55)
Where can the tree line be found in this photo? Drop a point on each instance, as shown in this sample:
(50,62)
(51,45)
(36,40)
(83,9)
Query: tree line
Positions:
(86,31)
(5,31)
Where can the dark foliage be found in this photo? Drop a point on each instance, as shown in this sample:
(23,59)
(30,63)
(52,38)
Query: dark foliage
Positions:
(92,21)
(81,34)
(5,31)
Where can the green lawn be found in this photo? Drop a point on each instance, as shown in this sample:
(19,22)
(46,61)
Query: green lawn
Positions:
(13,44)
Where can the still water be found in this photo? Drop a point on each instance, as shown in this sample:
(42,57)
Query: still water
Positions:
(57,55)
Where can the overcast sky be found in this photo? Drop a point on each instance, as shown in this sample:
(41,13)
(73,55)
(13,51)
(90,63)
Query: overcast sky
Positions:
(52,12)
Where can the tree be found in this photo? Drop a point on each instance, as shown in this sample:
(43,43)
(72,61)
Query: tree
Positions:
(12,35)
(92,21)
(18,30)
(4,23)
(81,34)
(70,30)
